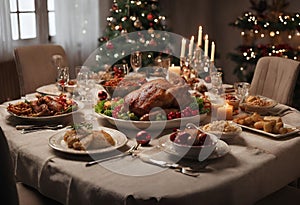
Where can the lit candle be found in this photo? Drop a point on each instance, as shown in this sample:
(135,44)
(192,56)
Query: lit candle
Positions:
(183,43)
(206,45)
(175,69)
(225,112)
(212,54)
(200,36)
(191,46)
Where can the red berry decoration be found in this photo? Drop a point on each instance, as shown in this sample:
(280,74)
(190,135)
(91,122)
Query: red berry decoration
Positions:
(143,137)
(102,95)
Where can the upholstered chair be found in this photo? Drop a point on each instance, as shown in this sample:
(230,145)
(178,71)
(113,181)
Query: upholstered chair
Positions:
(275,78)
(36,65)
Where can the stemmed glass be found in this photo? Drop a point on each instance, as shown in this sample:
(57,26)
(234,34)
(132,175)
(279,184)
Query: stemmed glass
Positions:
(136,60)
(63,77)
(242,91)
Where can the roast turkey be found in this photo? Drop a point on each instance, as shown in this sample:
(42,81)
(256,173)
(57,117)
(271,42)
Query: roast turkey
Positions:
(158,93)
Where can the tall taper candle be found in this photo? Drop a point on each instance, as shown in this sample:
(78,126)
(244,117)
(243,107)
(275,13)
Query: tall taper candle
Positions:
(212,54)
(200,36)
(206,45)
(191,45)
(183,43)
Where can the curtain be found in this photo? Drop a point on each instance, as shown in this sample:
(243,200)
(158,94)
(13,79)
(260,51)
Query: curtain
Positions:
(77,28)
(5,32)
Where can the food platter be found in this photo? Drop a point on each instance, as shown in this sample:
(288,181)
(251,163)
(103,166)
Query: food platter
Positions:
(221,149)
(153,125)
(57,142)
(295,130)
(48,118)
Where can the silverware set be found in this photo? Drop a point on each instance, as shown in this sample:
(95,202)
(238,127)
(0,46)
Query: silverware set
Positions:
(131,151)
(33,128)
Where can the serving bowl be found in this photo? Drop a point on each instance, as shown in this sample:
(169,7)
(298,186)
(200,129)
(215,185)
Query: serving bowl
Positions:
(199,152)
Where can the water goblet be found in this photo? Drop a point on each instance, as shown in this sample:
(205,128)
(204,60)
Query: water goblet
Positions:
(136,60)
(63,77)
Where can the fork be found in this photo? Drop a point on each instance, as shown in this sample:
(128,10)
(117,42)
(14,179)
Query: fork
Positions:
(128,152)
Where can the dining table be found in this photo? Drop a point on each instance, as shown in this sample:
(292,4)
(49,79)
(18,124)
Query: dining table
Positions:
(254,166)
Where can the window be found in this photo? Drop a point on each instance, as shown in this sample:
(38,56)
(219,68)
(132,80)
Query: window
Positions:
(32,20)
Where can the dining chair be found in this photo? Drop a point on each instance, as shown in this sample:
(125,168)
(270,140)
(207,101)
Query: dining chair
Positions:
(12,192)
(275,78)
(36,67)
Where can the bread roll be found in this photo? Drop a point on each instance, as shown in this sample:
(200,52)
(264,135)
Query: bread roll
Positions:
(268,126)
(259,125)
(270,118)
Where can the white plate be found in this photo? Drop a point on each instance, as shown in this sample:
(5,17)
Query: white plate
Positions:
(153,125)
(260,109)
(271,134)
(51,89)
(226,135)
(49,118)
(221,148)
(57,142)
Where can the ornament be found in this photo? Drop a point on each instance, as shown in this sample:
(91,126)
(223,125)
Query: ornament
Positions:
(150,17)
(115,7)
(150,30)
(152,42)
(109,45)
(150,24)
(143,137)
(153,7)
(137,23)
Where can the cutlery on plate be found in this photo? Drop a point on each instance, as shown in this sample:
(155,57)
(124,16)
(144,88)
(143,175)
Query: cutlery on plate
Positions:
(182,169)
(128,152)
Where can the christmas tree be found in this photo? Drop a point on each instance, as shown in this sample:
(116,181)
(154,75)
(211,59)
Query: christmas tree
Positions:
(269,31)
(127,16)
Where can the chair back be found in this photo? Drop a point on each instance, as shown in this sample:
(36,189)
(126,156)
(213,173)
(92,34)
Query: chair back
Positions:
(275,78)
(35,65)
(9,194)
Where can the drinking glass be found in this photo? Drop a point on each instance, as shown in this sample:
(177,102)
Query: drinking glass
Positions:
(63,77)
(216,81)
(85,83)
(136,60)
(242,91)
(120,69)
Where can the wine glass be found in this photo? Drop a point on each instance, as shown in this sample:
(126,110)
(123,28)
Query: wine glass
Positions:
(63,77)
(136,60)
(216,81)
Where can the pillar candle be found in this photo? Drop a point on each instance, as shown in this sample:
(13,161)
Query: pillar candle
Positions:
(191,46)
(183,43)
(213,48)
(200,36)
(225,112)
(206,45)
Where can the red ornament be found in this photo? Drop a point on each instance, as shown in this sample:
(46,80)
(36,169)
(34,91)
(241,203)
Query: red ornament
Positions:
(150,17)
(143,137)
(114,7)
(102,95)
(109,45)
(151,24)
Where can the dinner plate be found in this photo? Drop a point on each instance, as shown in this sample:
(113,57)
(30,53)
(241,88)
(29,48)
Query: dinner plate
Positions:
(50,89)
(57,142)
(295,130)
(221,149)
(153,125)
(48,118)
